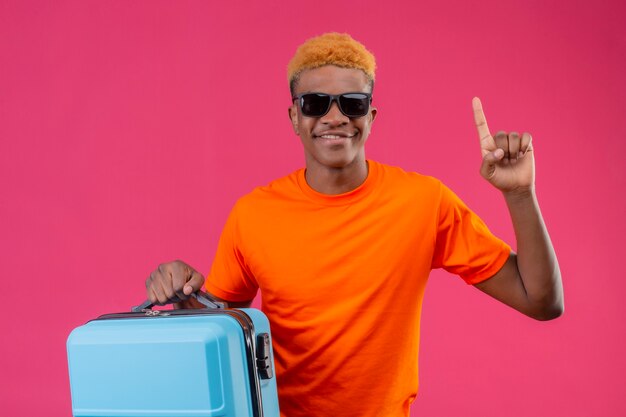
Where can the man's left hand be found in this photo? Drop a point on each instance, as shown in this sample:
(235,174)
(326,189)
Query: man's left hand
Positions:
(508,161)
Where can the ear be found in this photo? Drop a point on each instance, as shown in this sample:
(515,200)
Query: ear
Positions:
(371,116)
(373,113)
(293,116)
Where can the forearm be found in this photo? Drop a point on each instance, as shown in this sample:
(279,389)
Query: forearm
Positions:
(536,261)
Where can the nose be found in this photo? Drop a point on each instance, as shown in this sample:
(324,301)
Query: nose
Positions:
(334,117)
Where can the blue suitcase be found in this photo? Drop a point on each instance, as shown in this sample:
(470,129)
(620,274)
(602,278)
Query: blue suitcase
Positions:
(174,363)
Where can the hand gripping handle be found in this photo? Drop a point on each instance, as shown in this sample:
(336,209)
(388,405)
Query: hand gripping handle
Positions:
(204,298)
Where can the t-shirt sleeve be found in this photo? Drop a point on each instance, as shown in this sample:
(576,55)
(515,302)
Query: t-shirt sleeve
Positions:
(230,277)
(464,244)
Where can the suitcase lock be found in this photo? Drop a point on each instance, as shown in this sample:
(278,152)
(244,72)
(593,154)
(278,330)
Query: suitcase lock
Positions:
(263,360)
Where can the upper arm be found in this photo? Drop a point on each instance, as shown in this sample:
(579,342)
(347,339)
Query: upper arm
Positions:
(508,287)
(231,277)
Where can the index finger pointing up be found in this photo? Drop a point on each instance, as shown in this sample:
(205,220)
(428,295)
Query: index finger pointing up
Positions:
(487,144)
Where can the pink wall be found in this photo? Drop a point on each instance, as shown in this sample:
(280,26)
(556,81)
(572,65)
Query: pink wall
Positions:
(128,129)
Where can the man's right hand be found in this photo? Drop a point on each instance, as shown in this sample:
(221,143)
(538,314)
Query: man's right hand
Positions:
(173,283)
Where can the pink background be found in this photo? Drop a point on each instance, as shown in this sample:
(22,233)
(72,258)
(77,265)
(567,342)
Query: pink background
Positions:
(129,128)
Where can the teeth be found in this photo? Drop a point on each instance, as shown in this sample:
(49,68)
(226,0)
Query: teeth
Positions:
(334,136)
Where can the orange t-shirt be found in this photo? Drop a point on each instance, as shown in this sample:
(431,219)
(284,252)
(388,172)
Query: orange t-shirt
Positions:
(342,279)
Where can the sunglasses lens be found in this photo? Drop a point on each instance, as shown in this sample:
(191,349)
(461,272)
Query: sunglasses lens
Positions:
(315,105)
(354,104)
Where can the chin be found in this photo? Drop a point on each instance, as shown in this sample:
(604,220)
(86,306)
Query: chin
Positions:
(339,162)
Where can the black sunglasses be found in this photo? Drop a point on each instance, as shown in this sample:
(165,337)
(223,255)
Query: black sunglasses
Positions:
(318,104)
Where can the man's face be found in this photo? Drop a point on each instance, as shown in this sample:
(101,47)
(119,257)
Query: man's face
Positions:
(333,140)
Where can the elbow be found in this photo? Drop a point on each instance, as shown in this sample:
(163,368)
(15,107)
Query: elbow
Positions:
(549,312)
(551,305)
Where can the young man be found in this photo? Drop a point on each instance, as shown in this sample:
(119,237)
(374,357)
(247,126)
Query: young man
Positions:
(342,250)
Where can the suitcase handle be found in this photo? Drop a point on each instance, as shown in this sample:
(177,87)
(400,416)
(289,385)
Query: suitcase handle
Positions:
(204,299)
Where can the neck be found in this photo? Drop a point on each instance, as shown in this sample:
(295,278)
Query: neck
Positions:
(333,181)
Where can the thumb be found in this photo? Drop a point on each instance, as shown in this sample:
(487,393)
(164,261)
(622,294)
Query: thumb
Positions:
(490,160)
(194,283)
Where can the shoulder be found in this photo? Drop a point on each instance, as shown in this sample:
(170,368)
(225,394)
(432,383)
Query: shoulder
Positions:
(275,193)
(409,181)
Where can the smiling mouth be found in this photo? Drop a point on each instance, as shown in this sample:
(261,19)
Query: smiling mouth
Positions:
(336,136)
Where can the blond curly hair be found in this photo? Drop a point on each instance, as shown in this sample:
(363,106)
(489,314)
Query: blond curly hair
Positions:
(332,48)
